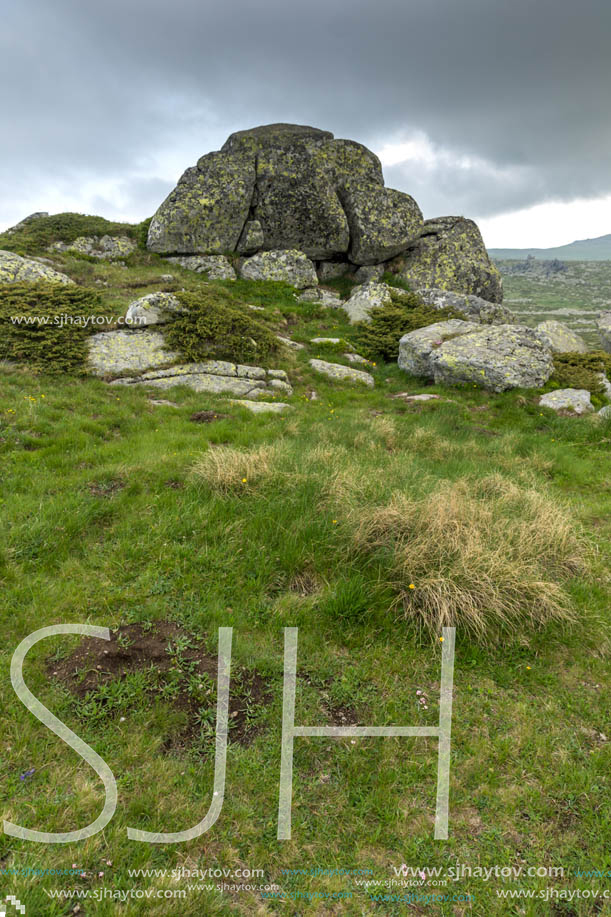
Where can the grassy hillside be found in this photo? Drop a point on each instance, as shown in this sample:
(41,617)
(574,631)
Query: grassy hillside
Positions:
(598,249)
(368,522)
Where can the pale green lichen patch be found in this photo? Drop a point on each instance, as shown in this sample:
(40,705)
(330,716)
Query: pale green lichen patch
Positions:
(15,269)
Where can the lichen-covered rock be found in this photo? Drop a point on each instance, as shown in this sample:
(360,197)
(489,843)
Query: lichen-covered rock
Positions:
(273,136)
(106,248)
(364,299)
(15,269)
(252,238)
(215,376)
(207,210)
(559,338)
(571,400)
(217,267)
(495,357)
(342,373)
(152,309)
(287,266)
(449,254)
(604,327)
(604,413)
(114,352)
(416,347)
(382,221)
(296,204)
(474,308)
(346,160)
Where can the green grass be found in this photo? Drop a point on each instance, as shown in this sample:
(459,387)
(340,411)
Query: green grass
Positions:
(117,511)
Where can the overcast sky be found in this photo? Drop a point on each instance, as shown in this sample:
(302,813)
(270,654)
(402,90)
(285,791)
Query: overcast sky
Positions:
(496,109)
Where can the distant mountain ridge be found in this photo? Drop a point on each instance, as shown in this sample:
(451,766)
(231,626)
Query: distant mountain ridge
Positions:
(598,249)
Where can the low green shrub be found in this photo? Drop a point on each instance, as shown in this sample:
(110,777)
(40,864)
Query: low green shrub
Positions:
(580,370)
(215,327)
(379,337)
(34,238)
(49,338)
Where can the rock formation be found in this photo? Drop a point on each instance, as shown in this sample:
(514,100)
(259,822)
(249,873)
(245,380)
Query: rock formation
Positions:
(289,187)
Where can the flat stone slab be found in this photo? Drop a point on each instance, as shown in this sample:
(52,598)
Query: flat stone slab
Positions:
(216,377)
(575,400)
(261,407)
(342,373)
(294,345)
(114,352)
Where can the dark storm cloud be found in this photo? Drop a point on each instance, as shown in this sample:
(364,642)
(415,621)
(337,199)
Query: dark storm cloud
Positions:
(127,93)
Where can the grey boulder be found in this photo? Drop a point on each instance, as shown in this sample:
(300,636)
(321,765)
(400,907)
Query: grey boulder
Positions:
(495,357)
(416,347)
(571,400)
(291,267)
(365,299)
(559,338)
(15,269)
(474,308)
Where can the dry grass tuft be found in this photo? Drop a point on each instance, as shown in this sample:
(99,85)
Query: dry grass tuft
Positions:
(489,556)
(226,469)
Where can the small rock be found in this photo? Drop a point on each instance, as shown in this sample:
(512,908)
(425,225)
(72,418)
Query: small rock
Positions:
(368,272)
(357,358)
(605,412)
(152,309)
(342,373)
(294,345)
(575,400)
(262,407)
(364,299)
(328,298)
(217,267)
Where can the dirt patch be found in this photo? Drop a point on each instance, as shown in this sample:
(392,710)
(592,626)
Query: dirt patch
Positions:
(338,714)
(177,668)
(304,583)
(105,488)
(207,416)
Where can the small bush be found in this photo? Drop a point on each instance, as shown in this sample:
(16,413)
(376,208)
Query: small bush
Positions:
(215,327)
(580,370)
(379,337)
(53,345)
(36,237)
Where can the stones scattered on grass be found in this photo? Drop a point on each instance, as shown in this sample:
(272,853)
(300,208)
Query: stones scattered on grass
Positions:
(342,373)
(568,400)
(106,248)
(15,269)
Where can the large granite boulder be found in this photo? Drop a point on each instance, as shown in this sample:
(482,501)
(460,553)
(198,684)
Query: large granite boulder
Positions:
(416,347)
(207,210)
(287,266)
(495,357)
(474,308)
(450,254)
(381,221)
(559,338)
(364,299)
(15,269)
(604,327)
